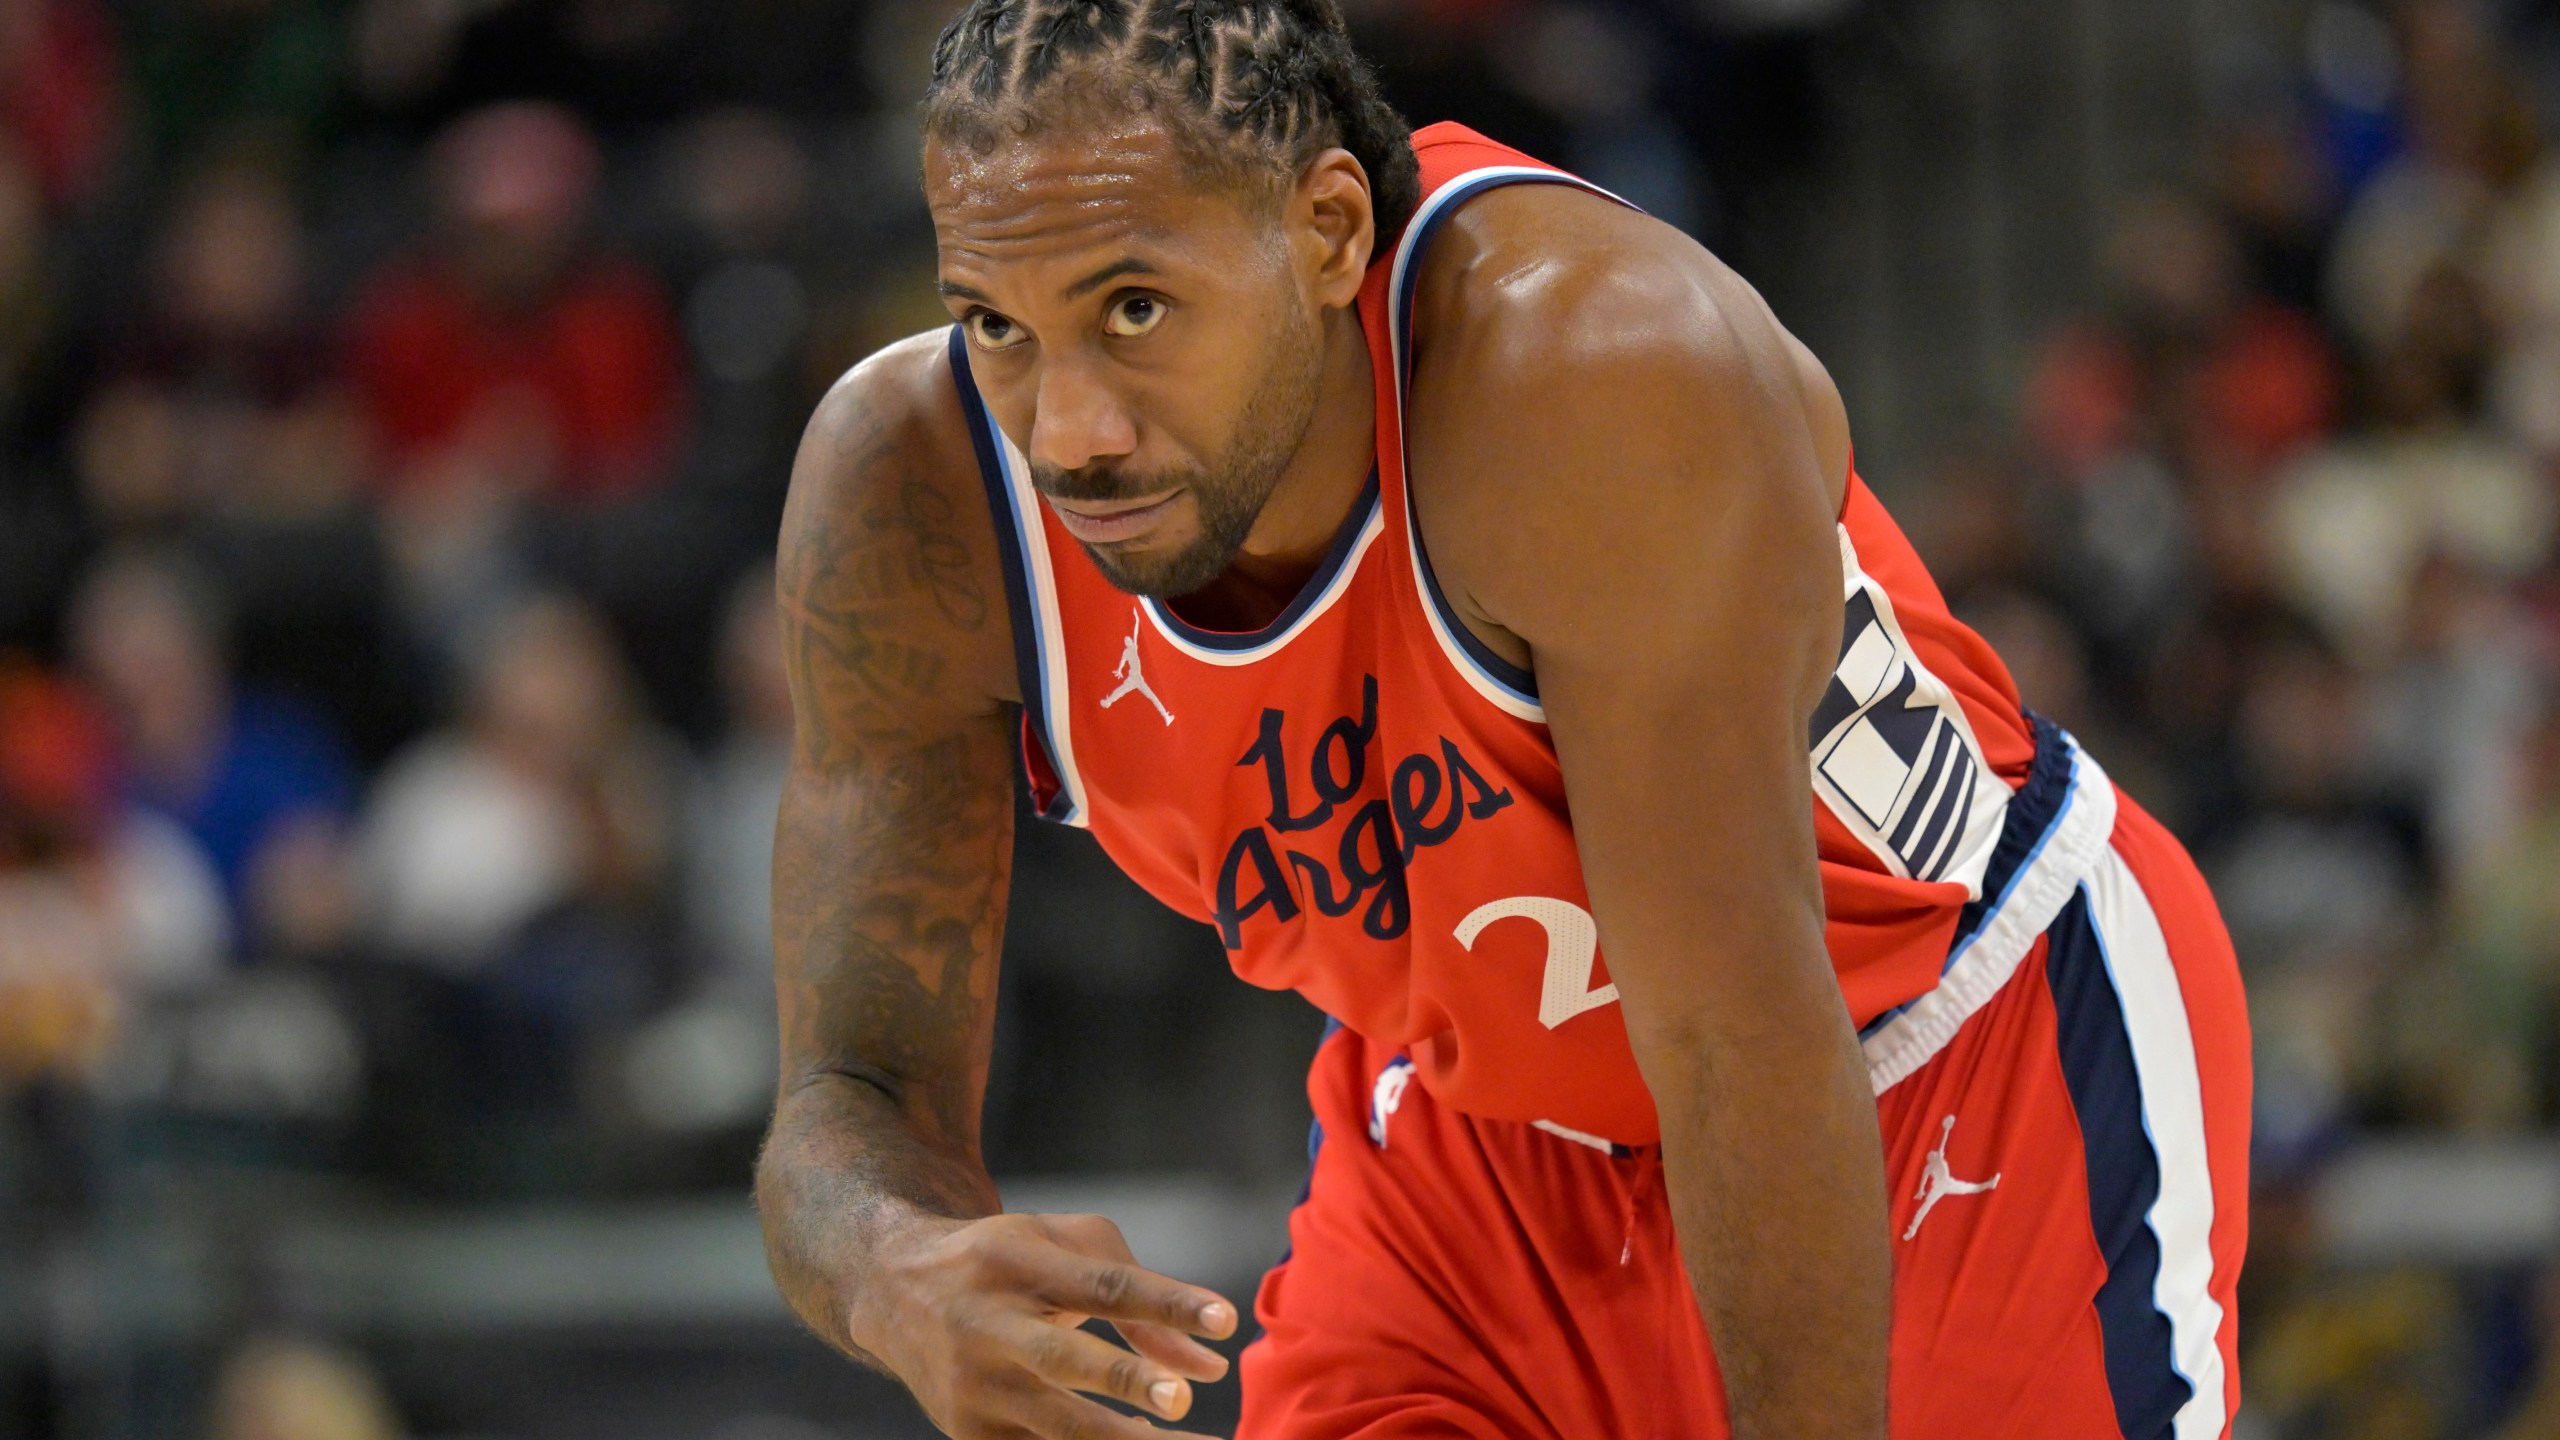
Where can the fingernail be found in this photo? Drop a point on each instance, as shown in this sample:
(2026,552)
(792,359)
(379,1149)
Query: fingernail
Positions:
(1215,1315)
(1164,1393)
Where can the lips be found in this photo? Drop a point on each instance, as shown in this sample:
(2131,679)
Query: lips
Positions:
(1101,522)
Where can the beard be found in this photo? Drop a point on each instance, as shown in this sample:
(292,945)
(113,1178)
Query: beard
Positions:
(1227,494)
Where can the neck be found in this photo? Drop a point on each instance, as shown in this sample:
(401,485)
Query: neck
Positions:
(1315,494)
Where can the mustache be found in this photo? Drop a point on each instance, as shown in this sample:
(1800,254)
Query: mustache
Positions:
(1105,483)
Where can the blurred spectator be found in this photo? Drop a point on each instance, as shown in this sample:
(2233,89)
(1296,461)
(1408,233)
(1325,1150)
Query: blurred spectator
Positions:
(2492,1036)
(2453,710)
(57,983)
(552,788)
(2323,883)
(709,1061)
(60,94)
(515,860)
(223,355)
(278,1389)
(222,421)
(242,772)
(101,907)
(512,359)
(508,369)
(2275,187)
(2356,520)
(2190,362)
(2470,142)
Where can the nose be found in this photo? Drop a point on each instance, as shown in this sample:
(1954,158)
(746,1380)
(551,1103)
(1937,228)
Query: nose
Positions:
(1078,420)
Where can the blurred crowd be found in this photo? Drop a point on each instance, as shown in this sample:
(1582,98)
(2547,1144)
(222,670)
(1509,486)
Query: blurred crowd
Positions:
(396,398)
(2275,533)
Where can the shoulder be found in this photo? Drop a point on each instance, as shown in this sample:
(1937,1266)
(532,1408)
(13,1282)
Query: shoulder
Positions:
(901,396)
(1600,315)
(1597,400)
(887,539)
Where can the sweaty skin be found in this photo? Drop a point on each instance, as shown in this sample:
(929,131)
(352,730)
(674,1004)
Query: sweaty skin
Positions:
(1627,475)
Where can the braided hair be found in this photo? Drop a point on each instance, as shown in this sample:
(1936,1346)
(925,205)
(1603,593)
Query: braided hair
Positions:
(1246,88)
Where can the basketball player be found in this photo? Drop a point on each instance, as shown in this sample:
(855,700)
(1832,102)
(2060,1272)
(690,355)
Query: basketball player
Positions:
(1454,587)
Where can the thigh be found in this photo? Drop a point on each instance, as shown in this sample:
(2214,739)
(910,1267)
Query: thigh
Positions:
(1456,1278)
(2070,1176)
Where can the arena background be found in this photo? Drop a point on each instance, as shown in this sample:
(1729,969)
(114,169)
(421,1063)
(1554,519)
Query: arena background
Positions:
(396,399)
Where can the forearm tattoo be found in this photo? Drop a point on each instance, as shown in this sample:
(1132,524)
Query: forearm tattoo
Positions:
(891,861)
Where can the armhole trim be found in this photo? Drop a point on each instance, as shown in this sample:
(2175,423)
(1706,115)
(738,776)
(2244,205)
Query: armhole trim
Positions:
(1039,639)
(1508,687)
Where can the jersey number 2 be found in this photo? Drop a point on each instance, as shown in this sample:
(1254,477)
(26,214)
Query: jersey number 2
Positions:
(1573,943)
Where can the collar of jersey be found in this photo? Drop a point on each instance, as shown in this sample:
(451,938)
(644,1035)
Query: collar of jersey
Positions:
(1332,576)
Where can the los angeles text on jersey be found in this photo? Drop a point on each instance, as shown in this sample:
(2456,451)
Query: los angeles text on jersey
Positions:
(1429,794)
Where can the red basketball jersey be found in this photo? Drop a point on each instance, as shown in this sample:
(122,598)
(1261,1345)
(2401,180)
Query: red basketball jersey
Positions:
(1363,800)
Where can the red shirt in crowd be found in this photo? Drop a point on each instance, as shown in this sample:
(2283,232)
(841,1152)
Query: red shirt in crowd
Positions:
(598,360)
(58,94)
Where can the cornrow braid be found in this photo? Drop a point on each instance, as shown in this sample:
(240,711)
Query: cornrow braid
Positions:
(1268,82)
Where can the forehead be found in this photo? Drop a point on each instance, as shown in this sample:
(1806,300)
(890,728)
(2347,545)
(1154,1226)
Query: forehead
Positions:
(1066,190)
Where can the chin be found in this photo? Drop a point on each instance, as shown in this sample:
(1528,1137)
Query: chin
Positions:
(1161,574)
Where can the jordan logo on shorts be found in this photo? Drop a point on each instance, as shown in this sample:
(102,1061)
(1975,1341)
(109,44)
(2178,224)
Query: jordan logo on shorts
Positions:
(1937,1182)
(1130,676)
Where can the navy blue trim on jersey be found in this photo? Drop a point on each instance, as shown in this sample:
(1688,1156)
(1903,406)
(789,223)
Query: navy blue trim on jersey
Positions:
(1017,572)
(1444,204)
(2124,1175)
(2035,812)
(1336,555)
(1511,677)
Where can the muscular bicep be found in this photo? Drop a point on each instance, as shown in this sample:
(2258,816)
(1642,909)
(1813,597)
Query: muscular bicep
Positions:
(892,848)
(1668,555)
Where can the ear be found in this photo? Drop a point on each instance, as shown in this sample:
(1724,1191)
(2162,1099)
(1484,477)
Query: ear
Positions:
(1335,228)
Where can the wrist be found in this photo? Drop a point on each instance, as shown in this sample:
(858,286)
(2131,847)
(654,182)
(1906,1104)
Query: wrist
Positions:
(872,1307)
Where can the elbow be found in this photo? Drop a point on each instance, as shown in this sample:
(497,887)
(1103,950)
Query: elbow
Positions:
(1690,1055)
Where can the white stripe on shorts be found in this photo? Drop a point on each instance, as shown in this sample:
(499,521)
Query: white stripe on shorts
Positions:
(2164,1058)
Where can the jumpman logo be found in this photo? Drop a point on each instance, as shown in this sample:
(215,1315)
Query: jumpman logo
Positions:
(1937,1182)
(1130,676)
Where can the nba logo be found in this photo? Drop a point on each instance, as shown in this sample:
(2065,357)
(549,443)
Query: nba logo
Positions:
(1388,1094)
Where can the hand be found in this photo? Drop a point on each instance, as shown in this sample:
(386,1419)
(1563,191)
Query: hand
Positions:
(980,1318)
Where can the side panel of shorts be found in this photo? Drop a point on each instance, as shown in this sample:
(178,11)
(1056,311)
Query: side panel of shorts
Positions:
(2107,1090)
(1474,1278)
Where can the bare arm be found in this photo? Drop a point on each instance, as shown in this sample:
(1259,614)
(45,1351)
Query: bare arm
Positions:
(1657,529)
(891,863)
(891,855)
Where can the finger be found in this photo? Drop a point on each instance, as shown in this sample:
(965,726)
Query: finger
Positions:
(1109,1290)
(1173,1350)
(1094,1235)
(1081,1360)
(1097,1236)
(1102,1238)
(1057,1415)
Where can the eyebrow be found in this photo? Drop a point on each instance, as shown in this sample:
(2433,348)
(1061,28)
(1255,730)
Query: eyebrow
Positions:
(1086,286)
(1107,274)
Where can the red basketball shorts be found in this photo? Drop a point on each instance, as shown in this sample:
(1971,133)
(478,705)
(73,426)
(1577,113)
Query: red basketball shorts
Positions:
(2065,1124)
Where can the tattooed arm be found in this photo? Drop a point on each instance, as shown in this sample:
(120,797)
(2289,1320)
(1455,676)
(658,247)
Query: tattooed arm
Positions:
(891,862)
